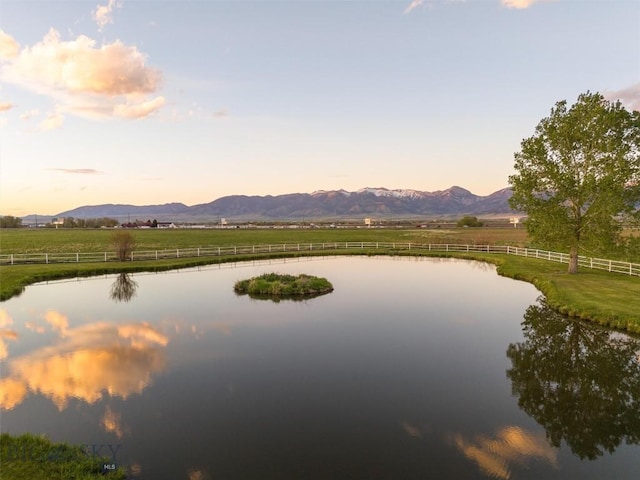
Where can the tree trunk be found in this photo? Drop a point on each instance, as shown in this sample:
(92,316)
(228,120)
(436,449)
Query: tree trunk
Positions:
(573,259)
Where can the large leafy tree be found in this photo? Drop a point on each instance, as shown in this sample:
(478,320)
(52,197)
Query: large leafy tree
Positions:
(578,175)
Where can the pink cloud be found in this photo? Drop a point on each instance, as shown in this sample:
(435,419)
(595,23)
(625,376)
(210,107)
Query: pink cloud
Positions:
(629,96)
(520,4)
(52,122)
(83,171)
(112,80)
(9,48)
(102,14)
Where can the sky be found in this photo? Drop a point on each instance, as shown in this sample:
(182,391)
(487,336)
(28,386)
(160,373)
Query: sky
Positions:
(148,102)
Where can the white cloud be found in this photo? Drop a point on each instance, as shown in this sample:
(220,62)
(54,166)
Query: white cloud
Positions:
(53,121)
(102,14)
(29,114)
(629,96)
(413,5)
(86,80)
(138,110)
(9,48)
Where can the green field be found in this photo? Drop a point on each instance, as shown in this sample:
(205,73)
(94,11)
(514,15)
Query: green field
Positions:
(79,240)
(610,299)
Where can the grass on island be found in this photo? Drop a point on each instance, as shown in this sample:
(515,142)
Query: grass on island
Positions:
(31,457)
(278,286)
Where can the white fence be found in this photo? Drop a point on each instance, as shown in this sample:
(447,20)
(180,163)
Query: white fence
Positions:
(138,255)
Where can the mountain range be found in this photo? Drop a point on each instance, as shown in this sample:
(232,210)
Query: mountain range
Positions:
(332,204)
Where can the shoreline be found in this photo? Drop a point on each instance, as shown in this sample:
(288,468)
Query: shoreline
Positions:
(609,299)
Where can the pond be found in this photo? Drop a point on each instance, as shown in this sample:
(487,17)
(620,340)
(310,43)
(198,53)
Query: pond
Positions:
(410,369)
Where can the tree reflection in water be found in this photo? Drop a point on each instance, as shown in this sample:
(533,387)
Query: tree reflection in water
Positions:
(579,381)
(123,289)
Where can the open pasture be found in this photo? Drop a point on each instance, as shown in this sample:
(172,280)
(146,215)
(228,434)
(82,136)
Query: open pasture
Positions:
(88,240)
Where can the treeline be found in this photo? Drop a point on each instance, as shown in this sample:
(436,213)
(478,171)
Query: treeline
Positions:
(70,222)
(8,221)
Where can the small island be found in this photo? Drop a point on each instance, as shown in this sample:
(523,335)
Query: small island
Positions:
(278,286)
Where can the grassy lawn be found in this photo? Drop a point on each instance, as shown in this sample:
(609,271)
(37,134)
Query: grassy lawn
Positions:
(36,458)
(610,299)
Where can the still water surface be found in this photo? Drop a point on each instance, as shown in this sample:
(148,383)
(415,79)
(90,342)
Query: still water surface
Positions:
(410,369)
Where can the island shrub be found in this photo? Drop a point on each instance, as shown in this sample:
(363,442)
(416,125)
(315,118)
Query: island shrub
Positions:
(283,286)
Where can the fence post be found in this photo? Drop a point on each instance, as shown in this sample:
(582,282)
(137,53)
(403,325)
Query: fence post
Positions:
(77,257)
(177,253)
(198,251)
(156,254)
(46,258)
(609,265)
(12,259)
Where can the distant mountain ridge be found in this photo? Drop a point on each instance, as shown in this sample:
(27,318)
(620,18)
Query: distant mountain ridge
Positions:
(322,204)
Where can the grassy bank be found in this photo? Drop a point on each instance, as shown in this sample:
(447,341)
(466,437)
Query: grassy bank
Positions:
(36,458)
(610,299)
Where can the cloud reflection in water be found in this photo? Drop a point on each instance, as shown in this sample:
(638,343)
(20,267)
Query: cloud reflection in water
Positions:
(511,446)
(87,362)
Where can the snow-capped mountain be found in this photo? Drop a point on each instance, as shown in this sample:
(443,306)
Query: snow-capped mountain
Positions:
(321,204)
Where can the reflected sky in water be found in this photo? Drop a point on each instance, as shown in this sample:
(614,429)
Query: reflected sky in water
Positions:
(398,373)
